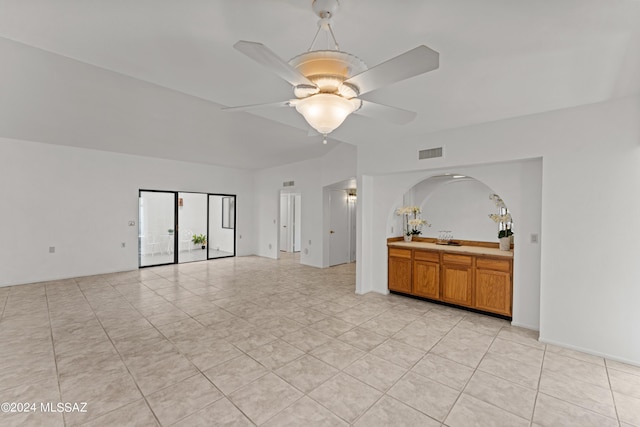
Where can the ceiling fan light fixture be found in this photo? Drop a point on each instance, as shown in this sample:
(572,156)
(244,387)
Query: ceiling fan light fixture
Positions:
(328,82)
(325,112)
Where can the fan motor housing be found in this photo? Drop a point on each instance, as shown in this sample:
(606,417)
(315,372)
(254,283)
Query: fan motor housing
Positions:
(328,69)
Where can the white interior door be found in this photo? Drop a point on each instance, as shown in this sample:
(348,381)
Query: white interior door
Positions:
(285,226)
(338,228)
(297,218)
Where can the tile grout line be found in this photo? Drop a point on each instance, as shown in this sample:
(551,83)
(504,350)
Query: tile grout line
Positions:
(613,398)
(121,359)
(582,406)
(470,376)
(6,301)
(535,402)
(409,370)
(53,348)
(224,396)
(50,299)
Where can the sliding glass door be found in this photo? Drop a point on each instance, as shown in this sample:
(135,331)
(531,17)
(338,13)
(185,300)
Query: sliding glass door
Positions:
(222,225)
(177,227)
(156,228)
(192,227)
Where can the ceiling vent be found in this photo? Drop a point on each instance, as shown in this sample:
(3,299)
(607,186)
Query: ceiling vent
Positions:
(431,153)
(288,183)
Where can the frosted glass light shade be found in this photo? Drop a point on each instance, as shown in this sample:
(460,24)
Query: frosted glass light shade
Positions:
(326,111)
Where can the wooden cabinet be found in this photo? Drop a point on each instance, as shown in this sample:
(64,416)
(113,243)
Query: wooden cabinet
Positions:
(475,281)
(457,284)
(493,286)
(457,279)
(426,274)
(426,279)
(400,270)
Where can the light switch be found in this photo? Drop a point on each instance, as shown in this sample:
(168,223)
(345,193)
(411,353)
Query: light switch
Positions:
(52,249)
(534,238)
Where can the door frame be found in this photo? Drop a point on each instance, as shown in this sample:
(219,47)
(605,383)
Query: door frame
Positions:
(176,228)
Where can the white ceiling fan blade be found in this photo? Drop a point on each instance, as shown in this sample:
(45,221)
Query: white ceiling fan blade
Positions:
(384,112)
(265,56)
(416,61)
(257,106)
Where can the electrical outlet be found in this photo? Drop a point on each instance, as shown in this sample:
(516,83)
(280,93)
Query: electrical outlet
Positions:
(123,244)
(132,223)
(52,249)
(270,246)
(240,236)
(391,230)
(306,251)
(309,242)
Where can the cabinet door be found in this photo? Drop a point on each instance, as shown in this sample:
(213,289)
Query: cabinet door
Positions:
(400,274)
(457,281)
(426,279)
(493,291)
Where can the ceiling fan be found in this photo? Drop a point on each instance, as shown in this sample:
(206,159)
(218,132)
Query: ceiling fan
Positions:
(327,83)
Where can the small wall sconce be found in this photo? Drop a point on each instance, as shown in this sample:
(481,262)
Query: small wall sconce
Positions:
(351,195)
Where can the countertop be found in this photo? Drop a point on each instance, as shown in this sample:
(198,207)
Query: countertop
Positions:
(471,250)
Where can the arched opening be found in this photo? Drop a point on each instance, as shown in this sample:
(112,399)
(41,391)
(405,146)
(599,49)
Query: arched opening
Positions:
(471,270)
(456,205)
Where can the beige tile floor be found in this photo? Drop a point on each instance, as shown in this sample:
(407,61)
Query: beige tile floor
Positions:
(252,341)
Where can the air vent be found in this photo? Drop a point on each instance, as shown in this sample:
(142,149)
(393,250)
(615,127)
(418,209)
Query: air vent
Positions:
(431,153)
(288,183)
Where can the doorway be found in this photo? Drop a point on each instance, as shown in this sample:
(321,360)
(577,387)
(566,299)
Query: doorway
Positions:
(179,227)
(192,222)
(222,226)
(340,207)
(156,228)
(290,222)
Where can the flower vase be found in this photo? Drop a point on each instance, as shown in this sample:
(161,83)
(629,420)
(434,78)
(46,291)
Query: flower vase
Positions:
(505,243)
(407,238)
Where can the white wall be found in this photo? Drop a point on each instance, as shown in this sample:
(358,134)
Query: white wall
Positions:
(80,201)
(589,279)
(310,177)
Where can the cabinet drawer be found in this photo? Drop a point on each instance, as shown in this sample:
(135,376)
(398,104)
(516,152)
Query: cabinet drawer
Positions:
(400,253)
(493,264)
(457,259)
(426,256)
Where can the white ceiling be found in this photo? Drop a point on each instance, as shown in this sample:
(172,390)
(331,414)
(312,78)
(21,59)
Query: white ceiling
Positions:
(149,76)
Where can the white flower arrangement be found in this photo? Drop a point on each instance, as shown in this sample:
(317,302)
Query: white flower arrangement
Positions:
(503,218)
(500,218)
(414,225)
(497,200)
(408,210)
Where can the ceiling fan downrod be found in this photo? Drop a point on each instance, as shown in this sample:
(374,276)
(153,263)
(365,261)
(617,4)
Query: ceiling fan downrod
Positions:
(325,9)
